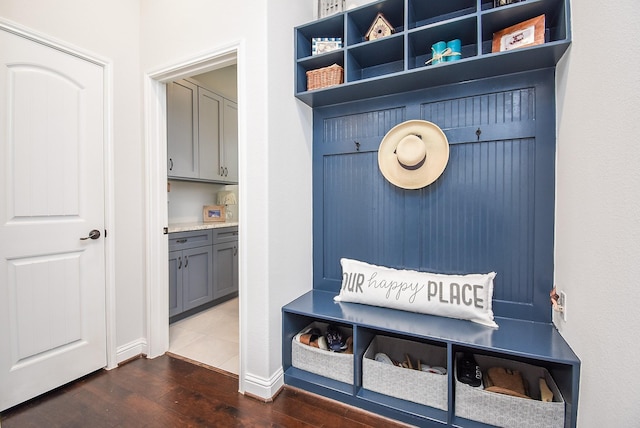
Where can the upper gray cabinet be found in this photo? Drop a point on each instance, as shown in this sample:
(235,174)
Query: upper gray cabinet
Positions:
(202,129)
(229,147)
(182,130)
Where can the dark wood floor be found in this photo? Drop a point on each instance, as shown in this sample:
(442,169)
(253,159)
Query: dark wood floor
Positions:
(170,392)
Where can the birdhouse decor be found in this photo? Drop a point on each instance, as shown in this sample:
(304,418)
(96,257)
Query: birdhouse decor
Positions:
(379,28)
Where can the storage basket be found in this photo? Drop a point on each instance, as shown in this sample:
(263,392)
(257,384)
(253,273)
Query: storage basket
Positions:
(420,387)
(508,411)
(333,365)
(325,77)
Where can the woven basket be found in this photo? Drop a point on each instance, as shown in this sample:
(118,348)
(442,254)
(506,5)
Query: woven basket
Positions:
(324,77)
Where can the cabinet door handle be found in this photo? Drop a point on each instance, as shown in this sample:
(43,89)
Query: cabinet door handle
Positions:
(179,262)
(170,164)
(221,171)
(235,250)
(181,241)
(186,261)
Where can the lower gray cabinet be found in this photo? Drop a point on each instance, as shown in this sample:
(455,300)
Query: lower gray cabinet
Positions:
(203,267)
(190,271)
(225,261)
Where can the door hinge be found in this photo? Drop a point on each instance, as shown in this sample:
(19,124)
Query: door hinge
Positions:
(165,230)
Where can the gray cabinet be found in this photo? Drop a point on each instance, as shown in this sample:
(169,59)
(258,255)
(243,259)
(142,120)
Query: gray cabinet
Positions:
(182,130)
(190,271)
(229,147)
(225,261)
(210,107)
(203,268)
(202,134)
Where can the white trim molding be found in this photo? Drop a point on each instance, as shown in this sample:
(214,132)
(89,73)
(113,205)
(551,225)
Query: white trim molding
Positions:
(131,350)
(264,387)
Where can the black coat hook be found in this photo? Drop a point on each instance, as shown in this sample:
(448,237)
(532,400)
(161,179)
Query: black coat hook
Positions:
(478,132)
(357,146)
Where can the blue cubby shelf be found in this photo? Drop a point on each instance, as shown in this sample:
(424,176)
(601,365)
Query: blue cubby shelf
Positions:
(399,66)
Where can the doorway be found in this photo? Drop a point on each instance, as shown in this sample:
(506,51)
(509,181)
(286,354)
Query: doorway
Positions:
(209,332)
(156,201)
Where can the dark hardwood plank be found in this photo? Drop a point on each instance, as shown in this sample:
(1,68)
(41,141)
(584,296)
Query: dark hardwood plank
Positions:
(172,392)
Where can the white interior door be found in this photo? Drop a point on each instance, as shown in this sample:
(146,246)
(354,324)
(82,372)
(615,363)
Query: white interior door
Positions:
(52,282)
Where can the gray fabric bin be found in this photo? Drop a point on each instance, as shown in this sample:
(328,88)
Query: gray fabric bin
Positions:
(507,411)
(333,365)
(419,387)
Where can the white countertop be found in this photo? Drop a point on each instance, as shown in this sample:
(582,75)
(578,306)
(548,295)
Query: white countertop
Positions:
(186,227)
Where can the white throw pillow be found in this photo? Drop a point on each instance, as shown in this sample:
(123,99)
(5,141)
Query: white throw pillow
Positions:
(466,297)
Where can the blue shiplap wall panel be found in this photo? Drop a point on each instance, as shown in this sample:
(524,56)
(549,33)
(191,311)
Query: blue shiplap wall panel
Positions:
(491,210)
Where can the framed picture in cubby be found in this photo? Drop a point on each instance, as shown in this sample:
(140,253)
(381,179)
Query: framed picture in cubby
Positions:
(498,3)
(525,34)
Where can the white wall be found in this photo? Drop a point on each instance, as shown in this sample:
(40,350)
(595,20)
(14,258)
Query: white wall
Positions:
(276,256)
(110,30)
(597,260)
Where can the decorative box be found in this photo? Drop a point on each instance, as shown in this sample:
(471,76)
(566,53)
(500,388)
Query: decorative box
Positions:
(329,7)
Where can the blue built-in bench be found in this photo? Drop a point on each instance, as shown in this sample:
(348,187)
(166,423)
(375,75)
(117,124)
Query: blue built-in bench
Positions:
(491,210)
(538,344)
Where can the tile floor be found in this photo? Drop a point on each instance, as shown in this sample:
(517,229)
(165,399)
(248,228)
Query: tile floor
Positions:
(210,337)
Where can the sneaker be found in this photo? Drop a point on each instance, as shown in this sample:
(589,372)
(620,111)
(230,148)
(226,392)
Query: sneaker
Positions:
(468,371)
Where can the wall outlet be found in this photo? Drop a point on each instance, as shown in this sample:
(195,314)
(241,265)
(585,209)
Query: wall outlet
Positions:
(562,302)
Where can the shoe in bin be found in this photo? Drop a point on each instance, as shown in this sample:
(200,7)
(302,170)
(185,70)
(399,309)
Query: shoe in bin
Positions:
(468,371)
(335,341)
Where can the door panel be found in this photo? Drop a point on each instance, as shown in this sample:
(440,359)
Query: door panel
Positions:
(182,121)
(52,283)
(209,113)
(197,277)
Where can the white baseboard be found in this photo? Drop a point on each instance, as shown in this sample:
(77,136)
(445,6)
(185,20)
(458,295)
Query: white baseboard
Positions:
(262,387)
(131,350)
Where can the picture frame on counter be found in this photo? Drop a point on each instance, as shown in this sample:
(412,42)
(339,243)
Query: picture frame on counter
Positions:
(213,213)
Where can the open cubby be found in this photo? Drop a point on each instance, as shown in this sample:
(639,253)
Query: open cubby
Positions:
(377,58)
(381,68)
(422,13)
(420,41)
(359,20)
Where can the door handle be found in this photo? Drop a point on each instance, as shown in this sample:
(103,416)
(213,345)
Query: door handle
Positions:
(94,234)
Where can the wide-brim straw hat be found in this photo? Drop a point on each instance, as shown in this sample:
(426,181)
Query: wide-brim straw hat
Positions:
(413,154)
